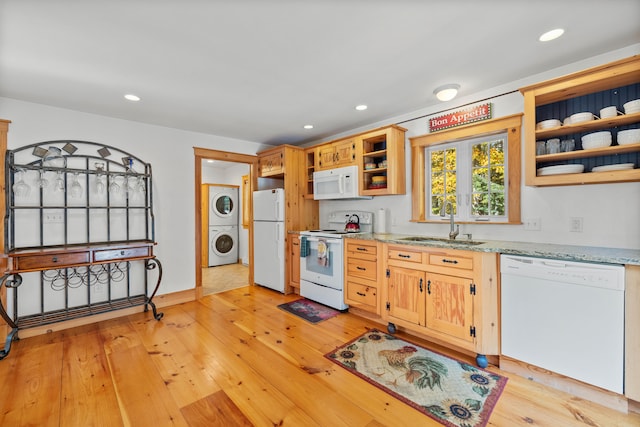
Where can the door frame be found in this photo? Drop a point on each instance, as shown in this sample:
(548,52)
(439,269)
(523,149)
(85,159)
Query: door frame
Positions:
(201,154)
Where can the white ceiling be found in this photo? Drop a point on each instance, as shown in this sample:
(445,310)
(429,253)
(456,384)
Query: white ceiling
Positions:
(259,70)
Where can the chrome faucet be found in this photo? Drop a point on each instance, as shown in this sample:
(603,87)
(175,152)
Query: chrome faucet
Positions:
(453,233)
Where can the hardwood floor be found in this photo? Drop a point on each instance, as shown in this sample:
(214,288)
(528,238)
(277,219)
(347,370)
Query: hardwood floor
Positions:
(231,359)
(224,277)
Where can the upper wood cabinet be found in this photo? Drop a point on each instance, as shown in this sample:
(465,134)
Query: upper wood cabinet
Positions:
(587,91)
(335,154)
(382,162)
(271,162)
(310,166)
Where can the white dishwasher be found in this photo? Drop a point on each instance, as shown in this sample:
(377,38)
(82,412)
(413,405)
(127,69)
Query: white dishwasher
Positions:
(566,317)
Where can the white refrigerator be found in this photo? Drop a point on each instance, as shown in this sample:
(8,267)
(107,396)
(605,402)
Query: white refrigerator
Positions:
(268,238)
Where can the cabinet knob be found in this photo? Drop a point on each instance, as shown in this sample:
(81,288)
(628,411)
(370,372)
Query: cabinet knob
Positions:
(54,259)
(361,294)
(361,268)
(361,249)
(404,256)
(449,261)
(121,252)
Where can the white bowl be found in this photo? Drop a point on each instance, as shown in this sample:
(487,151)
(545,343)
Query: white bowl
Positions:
(547,124)
(581,117)
(596,140)
(632,106)
(630,136)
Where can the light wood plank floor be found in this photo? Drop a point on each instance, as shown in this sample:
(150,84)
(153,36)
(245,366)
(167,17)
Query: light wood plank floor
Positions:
(231,359)
(224,277)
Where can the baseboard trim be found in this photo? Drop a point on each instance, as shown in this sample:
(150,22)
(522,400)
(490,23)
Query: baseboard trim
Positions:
(160,301)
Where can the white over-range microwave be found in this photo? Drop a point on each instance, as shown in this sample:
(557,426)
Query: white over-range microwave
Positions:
(339,183)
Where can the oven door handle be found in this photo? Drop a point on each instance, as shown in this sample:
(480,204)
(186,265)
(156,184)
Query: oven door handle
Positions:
(317,239)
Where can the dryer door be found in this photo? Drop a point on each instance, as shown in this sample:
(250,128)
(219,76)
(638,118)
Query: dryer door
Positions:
(222,244)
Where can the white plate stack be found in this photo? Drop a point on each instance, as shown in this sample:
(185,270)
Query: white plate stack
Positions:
(618,167)
(560,169)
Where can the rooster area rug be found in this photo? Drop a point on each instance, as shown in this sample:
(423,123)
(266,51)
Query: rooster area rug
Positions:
(451,392)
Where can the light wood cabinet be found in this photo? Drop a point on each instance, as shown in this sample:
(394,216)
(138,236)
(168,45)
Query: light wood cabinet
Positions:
(632,333)
(301,213)
(450,296)
(589,90)
(362,274)
(405,295)
(272,163)
(294,264)
(382,162)
(310,165)
(335,154)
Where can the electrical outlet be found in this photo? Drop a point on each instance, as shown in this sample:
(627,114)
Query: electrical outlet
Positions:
(576,224)
(532,224)
(53,217)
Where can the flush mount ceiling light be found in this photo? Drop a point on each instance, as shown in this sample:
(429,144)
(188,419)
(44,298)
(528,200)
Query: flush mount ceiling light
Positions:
(308,126)
(361,107)
(551,35)
(132,97)
(447,92)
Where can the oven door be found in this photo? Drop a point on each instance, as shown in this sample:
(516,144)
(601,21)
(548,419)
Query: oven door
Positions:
(323,263)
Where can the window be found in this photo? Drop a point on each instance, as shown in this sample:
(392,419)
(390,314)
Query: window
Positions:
(477,168)
(470,175)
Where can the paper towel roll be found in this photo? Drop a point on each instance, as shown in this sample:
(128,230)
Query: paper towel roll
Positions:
(380,221)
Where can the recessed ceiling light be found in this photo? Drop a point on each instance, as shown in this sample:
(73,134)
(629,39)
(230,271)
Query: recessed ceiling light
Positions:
(447,92)
(132,97)
(361,107)
(551,35)
(308,126)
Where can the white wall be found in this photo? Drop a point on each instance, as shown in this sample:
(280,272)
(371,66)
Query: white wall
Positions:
(610,212)
(170,152)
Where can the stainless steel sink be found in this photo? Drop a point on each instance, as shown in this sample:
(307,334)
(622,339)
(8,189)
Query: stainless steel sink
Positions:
(426,239)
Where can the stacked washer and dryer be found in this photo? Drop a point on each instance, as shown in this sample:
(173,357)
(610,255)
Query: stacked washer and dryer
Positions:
(223,225)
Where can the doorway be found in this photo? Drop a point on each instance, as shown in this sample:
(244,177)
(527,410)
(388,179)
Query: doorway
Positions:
(229,276)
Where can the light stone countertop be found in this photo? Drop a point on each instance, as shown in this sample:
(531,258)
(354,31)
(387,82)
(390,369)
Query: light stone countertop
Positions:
(540,250)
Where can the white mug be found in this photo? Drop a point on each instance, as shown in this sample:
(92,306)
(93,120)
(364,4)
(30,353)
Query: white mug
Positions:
(608,112)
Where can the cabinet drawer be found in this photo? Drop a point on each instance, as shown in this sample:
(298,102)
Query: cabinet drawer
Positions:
(122,253)
(405,255)
(362,294)
(364,269)
(51,261)
(447,260)
(368,248)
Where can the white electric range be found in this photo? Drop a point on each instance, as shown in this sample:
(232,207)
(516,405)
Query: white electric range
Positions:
(322,258)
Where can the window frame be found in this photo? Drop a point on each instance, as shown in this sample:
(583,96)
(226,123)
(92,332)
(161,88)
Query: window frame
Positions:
(464,177)
(511,125)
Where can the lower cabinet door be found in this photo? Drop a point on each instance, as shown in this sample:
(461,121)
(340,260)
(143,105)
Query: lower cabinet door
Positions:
(407,295)
(450,305)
